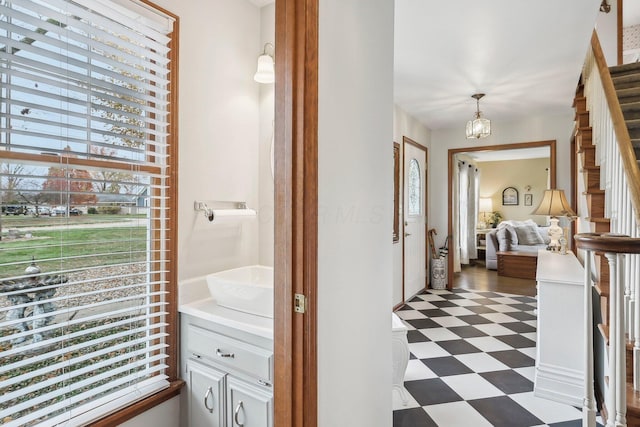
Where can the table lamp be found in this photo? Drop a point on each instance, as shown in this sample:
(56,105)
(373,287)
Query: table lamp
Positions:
(554,204)
(484,206)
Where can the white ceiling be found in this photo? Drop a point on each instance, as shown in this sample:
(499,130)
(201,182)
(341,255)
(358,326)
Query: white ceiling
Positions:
(526,56)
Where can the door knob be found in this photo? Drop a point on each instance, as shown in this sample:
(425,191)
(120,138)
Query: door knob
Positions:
(407,234)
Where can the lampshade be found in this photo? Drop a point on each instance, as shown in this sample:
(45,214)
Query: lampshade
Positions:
(478,127)
(554,203)
(485,204)
(265,72)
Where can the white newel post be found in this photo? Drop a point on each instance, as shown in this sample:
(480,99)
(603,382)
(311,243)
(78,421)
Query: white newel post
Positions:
(589,407)
(636,334)
(617,401)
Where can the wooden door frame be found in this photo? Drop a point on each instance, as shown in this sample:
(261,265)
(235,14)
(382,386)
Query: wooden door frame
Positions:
(296,207)
(453,151)
(408,141)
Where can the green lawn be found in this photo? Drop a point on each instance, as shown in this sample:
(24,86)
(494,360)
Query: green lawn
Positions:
(64,248)
(17,221)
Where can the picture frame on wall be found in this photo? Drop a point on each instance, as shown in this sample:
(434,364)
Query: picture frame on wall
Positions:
(510,196)
(528,199)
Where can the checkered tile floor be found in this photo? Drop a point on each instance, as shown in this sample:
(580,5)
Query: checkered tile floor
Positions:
(472,363)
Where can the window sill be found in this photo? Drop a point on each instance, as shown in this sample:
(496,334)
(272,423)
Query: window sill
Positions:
(141,406)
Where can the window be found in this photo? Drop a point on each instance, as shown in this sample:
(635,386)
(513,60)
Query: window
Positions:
(415,188)
(86,266)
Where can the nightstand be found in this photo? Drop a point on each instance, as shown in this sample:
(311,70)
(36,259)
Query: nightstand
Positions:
(481,242)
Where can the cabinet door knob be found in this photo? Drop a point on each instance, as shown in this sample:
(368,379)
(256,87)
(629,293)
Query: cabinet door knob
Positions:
(236,413)
(219,353)
(206,399)
(407,234)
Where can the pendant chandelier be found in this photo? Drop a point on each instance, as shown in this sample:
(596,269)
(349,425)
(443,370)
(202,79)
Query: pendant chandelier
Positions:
(478,127)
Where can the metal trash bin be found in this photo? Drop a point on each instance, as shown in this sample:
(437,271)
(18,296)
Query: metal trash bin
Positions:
(439,273)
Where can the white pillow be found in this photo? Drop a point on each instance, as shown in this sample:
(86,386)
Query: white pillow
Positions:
(528,235)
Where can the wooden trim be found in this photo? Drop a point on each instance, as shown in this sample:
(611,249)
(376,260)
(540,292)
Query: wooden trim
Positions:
(631,169)
(574,190)
(619,31)
(453,151)
(76,161)
(140,406)
(296,199)
(396,192)
(172,245)
(410,141)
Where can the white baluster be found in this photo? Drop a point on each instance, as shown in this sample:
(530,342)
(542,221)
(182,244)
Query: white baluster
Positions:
(613,345)
(589,407)
(616,267)
(636,325)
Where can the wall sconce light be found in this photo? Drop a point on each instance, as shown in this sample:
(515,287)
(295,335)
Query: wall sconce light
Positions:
(265,72)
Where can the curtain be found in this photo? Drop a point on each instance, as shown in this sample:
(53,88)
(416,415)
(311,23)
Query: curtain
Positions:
(472,211)
(463,212)
(465,204)
(456,219)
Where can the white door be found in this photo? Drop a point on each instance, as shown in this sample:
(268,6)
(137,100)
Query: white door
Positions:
(415,161)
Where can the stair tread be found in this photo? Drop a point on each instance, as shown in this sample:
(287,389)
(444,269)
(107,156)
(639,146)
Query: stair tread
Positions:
(628,91)
(630,106)
(632,123)
(626,78)
(624,68)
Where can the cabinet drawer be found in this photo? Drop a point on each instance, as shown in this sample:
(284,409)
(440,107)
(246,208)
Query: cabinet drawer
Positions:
(231,353)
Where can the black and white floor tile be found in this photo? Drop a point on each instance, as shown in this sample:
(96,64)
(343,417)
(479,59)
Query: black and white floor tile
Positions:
(472,363)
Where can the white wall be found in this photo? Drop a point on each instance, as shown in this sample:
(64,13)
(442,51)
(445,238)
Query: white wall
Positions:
(164,415)
(520,174)
(219,134)
(406,125)
(219,130)
(267,112)
(355,176)
(539,128)
(607,28)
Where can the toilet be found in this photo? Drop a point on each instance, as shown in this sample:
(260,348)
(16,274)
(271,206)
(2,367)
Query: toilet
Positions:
(400,356)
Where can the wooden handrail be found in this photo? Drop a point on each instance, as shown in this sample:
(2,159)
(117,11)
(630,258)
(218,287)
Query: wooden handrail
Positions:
(608,242)
(631,169)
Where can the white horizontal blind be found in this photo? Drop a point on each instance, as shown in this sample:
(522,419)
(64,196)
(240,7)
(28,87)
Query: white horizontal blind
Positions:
(84,110)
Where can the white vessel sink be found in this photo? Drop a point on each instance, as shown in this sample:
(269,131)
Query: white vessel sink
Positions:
(248,289)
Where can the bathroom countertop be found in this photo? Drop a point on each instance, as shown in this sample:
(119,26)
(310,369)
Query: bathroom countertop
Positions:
(208,309)
(194,299)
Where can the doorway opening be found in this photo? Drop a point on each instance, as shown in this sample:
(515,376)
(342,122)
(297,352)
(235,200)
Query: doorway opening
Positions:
(511,149)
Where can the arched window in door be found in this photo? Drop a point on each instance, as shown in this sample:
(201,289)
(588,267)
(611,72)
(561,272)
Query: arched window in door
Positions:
(415,188)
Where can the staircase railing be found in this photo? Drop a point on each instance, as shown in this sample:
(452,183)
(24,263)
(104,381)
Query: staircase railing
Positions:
(620,178)
(616,248)
(619,171)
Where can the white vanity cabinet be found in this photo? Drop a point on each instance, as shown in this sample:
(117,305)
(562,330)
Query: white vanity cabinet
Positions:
(229,375)
(206,395)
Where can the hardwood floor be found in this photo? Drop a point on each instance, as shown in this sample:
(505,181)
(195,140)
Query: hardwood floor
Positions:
(477,277)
